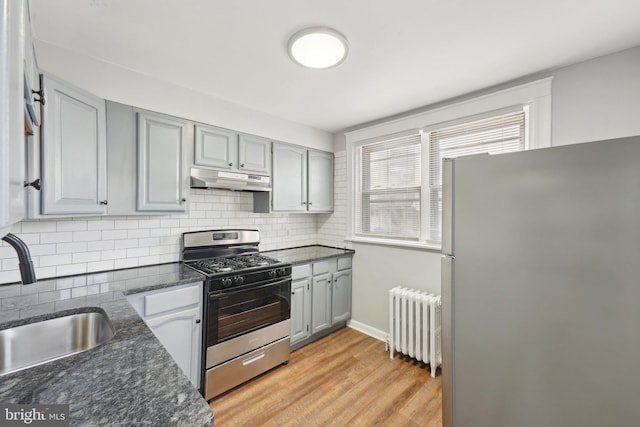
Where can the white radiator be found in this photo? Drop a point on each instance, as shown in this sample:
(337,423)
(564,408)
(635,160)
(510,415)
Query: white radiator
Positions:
(415,326)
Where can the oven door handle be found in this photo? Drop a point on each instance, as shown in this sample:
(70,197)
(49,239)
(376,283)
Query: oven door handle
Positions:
(218,294)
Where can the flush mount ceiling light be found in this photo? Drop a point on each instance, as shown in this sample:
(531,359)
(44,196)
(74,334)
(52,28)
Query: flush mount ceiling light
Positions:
(318,47)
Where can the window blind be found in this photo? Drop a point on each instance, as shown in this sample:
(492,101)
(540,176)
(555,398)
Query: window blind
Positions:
(494,135)
(389,193)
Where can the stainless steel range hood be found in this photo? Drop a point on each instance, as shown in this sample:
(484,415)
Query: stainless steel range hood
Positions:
(208,178)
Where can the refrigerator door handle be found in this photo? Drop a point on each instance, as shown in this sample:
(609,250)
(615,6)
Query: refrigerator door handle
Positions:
(447,275)
(448,168)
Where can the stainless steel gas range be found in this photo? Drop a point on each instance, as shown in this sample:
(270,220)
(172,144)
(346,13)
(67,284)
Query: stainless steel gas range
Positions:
(247,306)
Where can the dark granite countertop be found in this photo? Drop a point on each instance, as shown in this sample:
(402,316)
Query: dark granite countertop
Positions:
(131,380)
(305,254)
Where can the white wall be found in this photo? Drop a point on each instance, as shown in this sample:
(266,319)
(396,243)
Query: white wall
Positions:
(129,87)
(596,99)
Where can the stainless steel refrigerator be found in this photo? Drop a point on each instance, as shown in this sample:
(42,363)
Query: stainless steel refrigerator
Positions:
(541,287)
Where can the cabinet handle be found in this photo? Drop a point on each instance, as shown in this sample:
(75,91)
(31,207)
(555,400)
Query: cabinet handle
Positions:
(183,200)
(231,164)
(35,184)
(242,165)
(40,93)
(310,203)
(197,320)
(103,202)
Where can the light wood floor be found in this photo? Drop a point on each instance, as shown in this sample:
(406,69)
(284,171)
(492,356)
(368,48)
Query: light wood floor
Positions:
(345,379)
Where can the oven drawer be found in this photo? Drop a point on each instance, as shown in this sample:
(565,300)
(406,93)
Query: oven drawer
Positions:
(236,371)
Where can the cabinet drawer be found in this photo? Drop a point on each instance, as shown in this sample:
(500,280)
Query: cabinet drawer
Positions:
(243,368)
(344,263)
(300,271)
(170,300)
(322,267)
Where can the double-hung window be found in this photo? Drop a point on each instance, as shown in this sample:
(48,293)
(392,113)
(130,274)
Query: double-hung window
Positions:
(389,189)
(398,181)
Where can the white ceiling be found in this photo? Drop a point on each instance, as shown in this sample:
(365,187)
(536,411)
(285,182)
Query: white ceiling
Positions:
(403,54)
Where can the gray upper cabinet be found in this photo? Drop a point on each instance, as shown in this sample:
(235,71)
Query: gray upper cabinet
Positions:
(227,150)
(302,179)
(162,168)
(289,177)
(320,183)
(74,156)
(12,171)
(147,155)
(216,148)
(254,154)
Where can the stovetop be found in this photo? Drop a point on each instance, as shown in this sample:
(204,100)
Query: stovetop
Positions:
(237,263)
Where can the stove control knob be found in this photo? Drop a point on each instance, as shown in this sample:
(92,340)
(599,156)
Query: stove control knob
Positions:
(272,274)
(238,280)
(281,271)
(226,282)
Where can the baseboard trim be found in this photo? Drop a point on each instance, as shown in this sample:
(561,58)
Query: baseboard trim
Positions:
(368,330)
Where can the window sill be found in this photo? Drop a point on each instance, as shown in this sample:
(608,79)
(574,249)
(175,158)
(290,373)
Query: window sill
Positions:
(397,243)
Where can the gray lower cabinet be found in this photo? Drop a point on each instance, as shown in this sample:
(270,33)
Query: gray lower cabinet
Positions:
(321,302)
(302,179)
(341,297)
(300,310)
(225,149)
(174,315)
(74,151)
(147,161)
(320,298)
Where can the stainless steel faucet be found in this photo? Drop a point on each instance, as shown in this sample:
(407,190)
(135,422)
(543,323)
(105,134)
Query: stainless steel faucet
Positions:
(27,274)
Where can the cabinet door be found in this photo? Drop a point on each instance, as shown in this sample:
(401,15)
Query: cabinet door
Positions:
(216,148)
(289,178)
(254,154)
(162,171)
(300,306)
(341,297)
(320,303)
(320,181)
(180,333)
(74,151)
(12,146)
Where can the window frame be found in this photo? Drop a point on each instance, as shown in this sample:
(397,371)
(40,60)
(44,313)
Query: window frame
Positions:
(360,191)
(533,97)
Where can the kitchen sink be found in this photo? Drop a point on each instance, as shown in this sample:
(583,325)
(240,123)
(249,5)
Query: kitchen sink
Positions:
(43,341)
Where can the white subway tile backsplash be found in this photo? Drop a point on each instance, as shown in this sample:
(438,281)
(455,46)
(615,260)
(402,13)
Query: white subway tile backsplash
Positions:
(137,252)
(114,234)
(100,225)
(79,225)
(59,237)
(125,243)
(85,236)
(100,265)
(125,224)
(86,257)
(38,226)
(78,245)
(138,233)
(47,260)
(100,245)
(114,254)
(67,270)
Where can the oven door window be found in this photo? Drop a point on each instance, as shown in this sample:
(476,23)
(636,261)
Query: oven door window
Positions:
(238,312)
